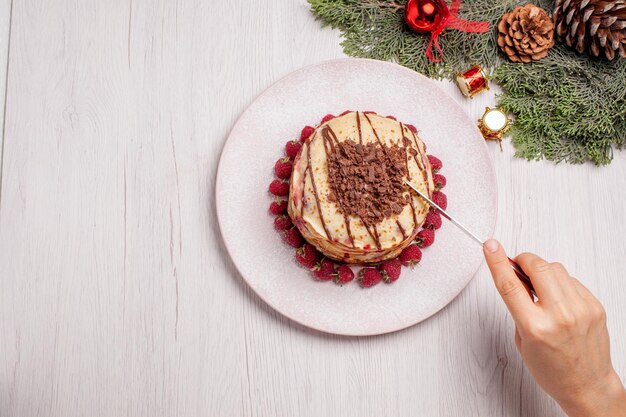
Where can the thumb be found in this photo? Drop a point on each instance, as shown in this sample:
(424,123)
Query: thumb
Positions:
(511,289)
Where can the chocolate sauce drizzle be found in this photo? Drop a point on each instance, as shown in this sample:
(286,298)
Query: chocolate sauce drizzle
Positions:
(315,192)
(401,229)
(358,125)
(377,238)
(375,133)
(306,170)
(329,135)
(374,235)
(408,173)
(423,164)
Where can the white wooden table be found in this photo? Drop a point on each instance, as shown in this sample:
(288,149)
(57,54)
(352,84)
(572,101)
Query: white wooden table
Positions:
(117,297)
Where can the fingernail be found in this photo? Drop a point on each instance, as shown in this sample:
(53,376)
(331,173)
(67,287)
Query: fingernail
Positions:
(492,245)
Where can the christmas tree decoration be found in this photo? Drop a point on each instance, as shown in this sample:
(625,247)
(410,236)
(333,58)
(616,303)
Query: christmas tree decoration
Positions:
(594,27)
(433,16)
(526,33)
(426,16)
(493,124)
(567,106)
(472,81)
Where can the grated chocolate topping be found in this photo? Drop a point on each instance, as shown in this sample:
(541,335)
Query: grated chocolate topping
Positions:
(368,180)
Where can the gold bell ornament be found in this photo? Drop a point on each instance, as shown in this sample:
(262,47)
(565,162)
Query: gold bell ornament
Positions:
(494,123)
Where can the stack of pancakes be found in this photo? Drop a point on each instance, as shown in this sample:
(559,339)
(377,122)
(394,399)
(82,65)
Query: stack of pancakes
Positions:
(338,231)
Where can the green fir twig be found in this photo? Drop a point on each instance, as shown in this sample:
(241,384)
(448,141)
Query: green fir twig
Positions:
(567,107)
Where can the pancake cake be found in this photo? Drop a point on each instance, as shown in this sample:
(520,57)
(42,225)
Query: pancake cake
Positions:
(347,194)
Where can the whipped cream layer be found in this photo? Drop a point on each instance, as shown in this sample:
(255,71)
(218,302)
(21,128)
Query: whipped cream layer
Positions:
(324,224)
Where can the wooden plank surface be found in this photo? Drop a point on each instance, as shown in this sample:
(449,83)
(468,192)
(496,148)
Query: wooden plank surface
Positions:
(5,34)
(117,297)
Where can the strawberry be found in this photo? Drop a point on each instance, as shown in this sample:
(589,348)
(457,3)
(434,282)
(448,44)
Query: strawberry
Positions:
(283,168)
(392,118)
(279,188)
(433,220)
(293,237)
(440,199)
(345,112)
(327,118)
(410,256)
(306,132)
(343,275)
(368,277)
(325,270)
(292,148)
(435,163)
(390,270)
(278,207)
(411,127)
(425,238)
(282,223)
(308,256)
(440,181)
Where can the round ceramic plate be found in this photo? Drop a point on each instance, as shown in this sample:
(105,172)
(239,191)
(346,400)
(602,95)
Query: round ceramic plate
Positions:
(268,265)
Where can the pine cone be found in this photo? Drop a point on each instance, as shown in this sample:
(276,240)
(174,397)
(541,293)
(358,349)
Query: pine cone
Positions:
(595,27)
(526,33)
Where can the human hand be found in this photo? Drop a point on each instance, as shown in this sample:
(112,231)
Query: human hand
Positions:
(562,338)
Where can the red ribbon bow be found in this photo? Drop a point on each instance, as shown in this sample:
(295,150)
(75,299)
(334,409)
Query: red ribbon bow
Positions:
(433,16)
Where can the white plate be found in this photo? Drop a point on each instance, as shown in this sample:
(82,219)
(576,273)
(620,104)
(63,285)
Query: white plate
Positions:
(303,98)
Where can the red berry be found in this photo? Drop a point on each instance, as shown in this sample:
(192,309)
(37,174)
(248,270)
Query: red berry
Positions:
(278,207)
(306,132)
(440,199)
(368,277)
(282,223)
(433,220)
(391,270)
(325,270)
(392,118)
(327,118)
(279,188)
(440,181)
(435,163)
(292,148)
(343,275)
(308,256)
(283,168)
(293,237)
(410,256)
(345,112)
(413,128)
(425,238)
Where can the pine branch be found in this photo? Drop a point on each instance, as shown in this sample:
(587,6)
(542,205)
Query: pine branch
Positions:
(567,107)
(373,3)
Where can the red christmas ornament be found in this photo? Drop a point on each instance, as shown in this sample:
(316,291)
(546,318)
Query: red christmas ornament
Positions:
(433,16)
(426,16)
